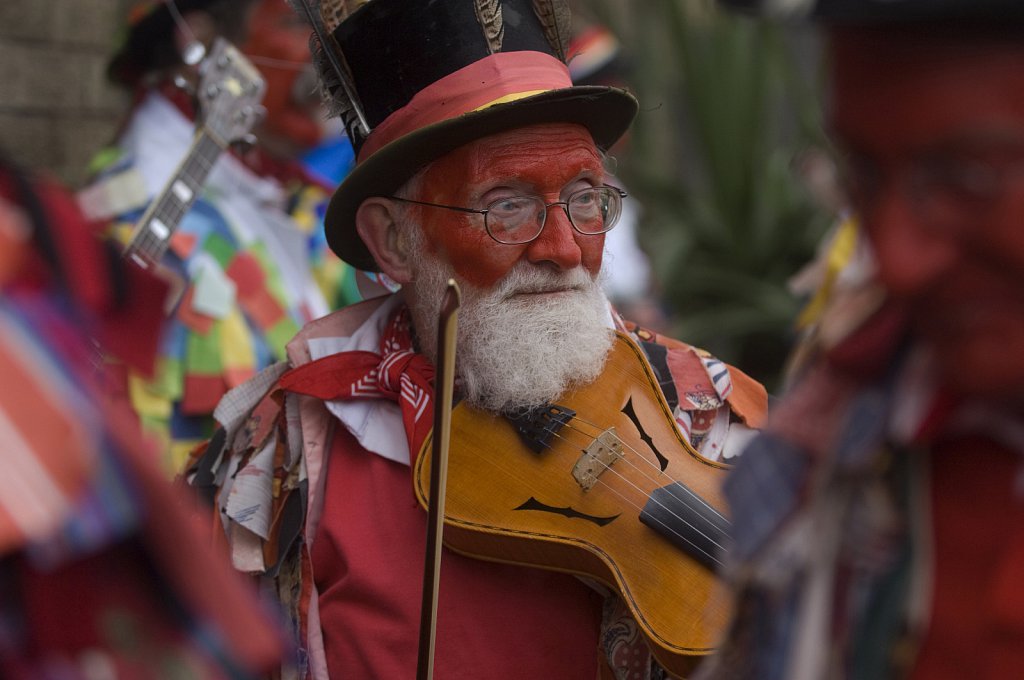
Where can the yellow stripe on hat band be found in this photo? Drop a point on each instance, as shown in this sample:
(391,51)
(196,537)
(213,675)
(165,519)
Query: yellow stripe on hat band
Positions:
(510,98)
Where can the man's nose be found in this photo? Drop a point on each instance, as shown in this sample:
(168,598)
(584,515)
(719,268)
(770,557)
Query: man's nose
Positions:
(557,243)
(911,255)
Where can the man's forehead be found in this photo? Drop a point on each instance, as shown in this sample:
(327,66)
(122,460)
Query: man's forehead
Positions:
(534,138)
(549,152)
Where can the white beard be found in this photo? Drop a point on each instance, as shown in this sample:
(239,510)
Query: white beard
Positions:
(516,352)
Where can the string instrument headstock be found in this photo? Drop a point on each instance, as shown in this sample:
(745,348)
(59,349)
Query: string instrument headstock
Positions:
(229,93)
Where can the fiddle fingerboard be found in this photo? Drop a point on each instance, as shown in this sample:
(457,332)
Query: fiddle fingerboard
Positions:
(688,522)
(153,232)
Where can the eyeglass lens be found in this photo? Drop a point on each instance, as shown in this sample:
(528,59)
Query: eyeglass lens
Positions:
(521,219)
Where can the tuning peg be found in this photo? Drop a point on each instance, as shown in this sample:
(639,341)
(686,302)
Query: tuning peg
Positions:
(193,52)
(211,91)
(254,114)
(224,61)
(244,144)
(183,83)
(249,116)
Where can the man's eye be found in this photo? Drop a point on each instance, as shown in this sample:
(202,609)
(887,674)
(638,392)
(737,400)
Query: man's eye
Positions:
(510,206)
(585,197)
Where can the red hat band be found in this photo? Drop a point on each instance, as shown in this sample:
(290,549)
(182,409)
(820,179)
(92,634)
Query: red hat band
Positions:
(496,79)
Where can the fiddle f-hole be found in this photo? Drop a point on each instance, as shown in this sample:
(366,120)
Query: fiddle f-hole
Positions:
(673,510)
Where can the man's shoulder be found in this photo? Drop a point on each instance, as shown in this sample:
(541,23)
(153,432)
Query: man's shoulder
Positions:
(341,323)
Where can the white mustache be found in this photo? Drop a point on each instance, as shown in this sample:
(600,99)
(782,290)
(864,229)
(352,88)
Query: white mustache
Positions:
(525,279)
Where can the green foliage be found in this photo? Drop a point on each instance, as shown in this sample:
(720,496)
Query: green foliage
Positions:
(725,107)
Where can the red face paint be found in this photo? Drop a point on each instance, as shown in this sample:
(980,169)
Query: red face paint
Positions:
(903,102)
(278,40)
(550,161)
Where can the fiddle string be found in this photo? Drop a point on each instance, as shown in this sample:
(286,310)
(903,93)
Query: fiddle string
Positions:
(665,525)
(659,473)
(630,502)
(670,529)
(633,504)
(651,464)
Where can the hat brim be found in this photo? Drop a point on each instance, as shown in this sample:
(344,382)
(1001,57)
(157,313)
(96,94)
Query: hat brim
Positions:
(606,112)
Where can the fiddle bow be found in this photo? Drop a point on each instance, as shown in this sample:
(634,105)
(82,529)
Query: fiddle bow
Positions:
(444,388)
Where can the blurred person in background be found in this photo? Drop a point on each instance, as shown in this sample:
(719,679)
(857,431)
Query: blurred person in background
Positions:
(879,520)
(298,143)
(102,574)
(250,258)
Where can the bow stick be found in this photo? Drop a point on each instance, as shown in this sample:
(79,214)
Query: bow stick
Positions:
(443,389)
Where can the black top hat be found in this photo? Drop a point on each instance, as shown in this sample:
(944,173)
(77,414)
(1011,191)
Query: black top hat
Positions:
(875,11)
(428,76)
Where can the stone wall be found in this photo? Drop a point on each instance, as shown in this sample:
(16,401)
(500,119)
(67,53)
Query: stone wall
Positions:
(56,107)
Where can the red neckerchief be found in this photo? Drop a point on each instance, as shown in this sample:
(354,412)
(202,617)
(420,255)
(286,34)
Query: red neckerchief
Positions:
(398,373)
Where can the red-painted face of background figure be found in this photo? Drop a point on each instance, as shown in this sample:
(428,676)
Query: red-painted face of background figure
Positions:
(932,125)
(550,161)
(278,42)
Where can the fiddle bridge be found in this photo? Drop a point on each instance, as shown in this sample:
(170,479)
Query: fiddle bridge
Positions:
(599,455)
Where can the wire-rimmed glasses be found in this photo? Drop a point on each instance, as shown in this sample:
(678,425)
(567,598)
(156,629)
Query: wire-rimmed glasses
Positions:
(520,219)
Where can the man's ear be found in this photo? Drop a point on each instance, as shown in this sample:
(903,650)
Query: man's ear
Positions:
(377,224)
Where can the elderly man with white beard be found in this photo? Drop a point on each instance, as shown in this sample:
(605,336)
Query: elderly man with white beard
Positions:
(534,319)
(479,162)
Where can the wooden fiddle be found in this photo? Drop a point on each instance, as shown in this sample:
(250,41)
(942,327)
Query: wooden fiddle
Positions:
(602,485)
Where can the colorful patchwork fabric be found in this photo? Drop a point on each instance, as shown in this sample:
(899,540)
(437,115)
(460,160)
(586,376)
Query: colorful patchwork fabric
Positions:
(93,547)
(54,436)
(251,264)
(335,278)
(828,530)
(232,319)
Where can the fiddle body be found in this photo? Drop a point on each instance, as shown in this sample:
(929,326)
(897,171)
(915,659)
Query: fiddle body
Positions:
(609,490)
